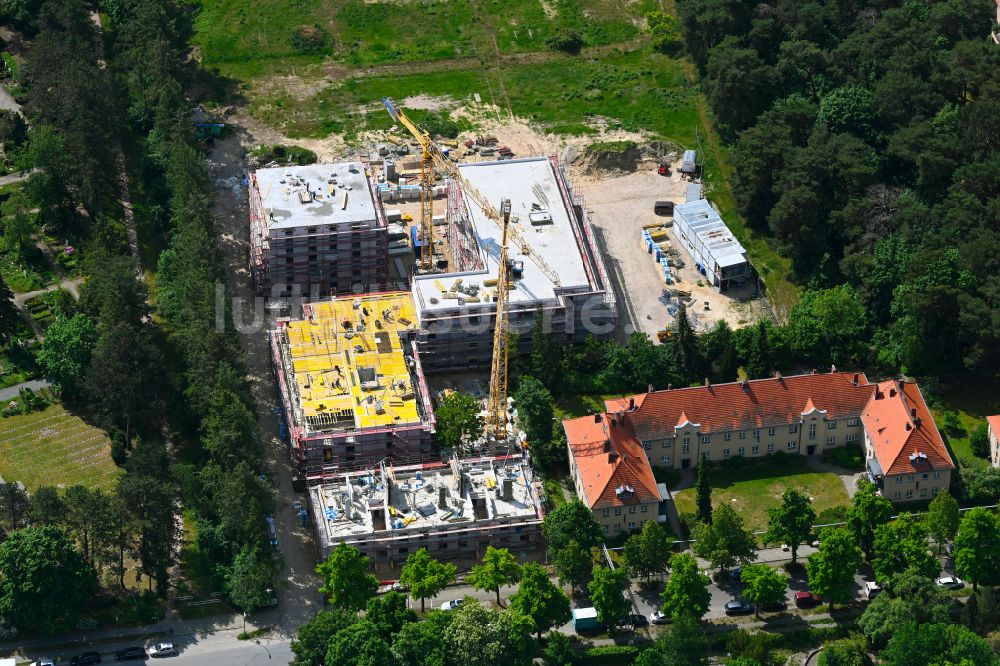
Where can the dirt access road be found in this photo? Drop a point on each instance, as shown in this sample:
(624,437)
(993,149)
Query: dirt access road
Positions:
(298,585)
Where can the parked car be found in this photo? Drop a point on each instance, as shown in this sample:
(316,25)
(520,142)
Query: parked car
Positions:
(807,600)
(86,659)
(736,573)
(451,605)
(950,582)
(656,617)
(634,620)
(739,607)
(872,589)
(130,654)
(44,661)
(163,650)
(775,607)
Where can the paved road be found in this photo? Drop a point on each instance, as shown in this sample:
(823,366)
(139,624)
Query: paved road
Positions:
(11,392)
(195,650)
(15,177)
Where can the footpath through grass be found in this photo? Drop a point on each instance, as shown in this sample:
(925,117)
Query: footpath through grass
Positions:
(757,487)
(55,448)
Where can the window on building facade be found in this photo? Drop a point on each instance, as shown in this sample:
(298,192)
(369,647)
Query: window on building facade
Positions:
(852,422)
(647,445)
(727,436)
(831,425)
(631,526)
(755,449)
(618,511)
(934,490)
(705,439)
(631,509)
(770,448)
(924,476)
(644,508)
(909,494)
(743,434)
(899,479)
(792,445)
(756,433)
(935,475)
(664,459)
(853,437)
(812,431)
(909,478)
(741,450)
(897,495)
(831,440)
(687,448)
(793,428)
(687,440)
(725,453)
(923,492)
(605,513)
(770,432)
(667,443)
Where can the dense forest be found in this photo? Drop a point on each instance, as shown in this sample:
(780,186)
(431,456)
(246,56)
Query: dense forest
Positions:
(865,138)
(108,115)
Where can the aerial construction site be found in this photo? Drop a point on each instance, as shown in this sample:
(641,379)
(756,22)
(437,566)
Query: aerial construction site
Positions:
(425,263)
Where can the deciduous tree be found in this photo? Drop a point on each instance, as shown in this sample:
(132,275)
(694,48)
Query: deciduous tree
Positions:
(943,518)
(902,545)
(499,568)
(792,522)
(66,351)
(360,644)
(426,576)
(648,552)
(346,580)
(534,410)
(457,420)
(250,581)
(868,511)
(479,636)
(422,643)
(538,597)
(686,593)
(313,638)
(607,594)
(831,569)
(977,547)
(726,542)
(764,585)
(571,521)
(44,580)
(574,565)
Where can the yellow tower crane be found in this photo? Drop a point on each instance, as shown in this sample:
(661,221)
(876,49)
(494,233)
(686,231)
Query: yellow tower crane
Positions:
(496,406)
(426,182)
(496,417)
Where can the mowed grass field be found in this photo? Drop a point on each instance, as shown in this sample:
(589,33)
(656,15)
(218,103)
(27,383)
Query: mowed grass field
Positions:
(55,448)
(754,489)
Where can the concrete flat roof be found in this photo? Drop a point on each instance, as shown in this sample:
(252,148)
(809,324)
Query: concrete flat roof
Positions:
(525,182)
(712,232)
(281,189)
(417,497)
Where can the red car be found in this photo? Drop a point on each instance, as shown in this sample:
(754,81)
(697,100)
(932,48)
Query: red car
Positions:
(807,600)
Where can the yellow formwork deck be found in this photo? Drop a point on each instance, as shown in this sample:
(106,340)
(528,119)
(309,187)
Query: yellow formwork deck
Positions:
(349,364)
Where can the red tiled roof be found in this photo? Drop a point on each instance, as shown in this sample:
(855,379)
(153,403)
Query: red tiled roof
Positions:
(900,425)
(994,421)
(608,456)
(754,404)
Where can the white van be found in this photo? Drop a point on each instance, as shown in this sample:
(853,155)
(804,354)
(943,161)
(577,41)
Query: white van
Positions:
(871,589)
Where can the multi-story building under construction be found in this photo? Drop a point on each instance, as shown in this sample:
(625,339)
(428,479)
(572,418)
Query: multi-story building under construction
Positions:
(316,230)
(454,508)
(456,310)
(351,384)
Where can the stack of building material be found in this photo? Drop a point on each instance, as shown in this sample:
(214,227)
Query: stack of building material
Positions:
(654,236)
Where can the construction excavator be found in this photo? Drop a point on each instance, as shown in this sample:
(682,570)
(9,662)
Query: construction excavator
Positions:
(495,427)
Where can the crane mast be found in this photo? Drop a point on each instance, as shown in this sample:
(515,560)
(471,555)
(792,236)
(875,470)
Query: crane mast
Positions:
(426,182)
(496,408)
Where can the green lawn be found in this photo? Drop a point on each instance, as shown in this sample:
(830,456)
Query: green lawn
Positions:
(247,38)
(754,489)
(574,406)
(55,448)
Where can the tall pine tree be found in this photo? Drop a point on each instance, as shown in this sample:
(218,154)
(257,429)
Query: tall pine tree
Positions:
(704,492)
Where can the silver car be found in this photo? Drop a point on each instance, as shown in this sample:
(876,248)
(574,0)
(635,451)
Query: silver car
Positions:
(163,650)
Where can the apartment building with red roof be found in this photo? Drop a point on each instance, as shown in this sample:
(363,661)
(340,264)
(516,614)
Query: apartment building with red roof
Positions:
(993,429)
(612,474)
(906,456)
(800,415)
